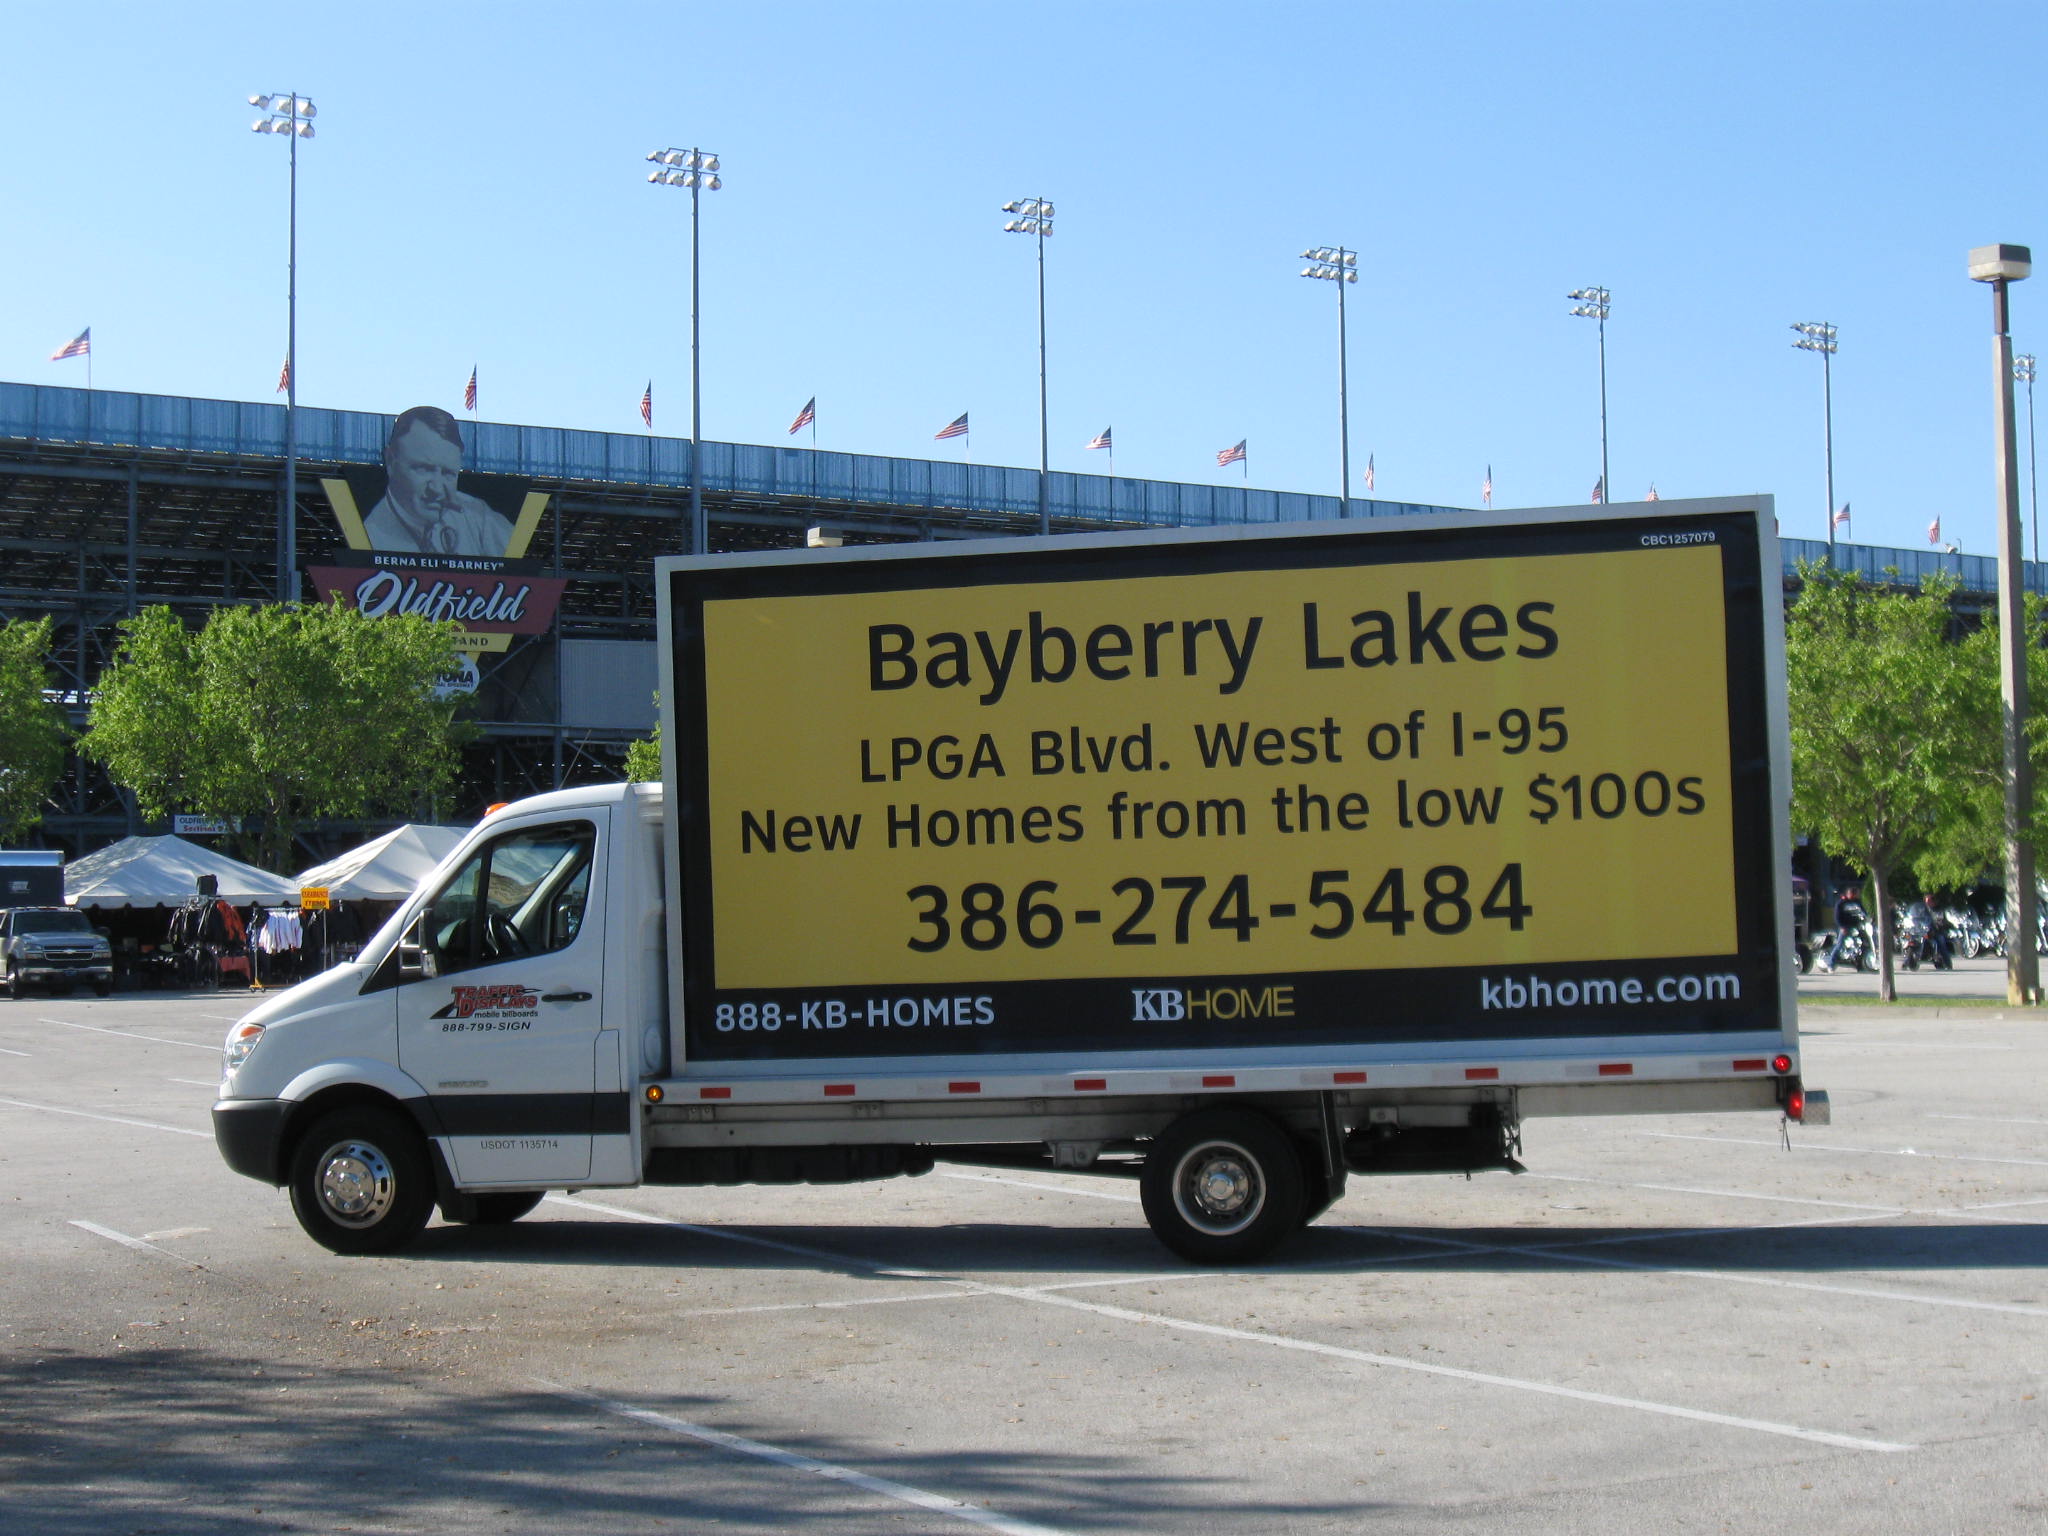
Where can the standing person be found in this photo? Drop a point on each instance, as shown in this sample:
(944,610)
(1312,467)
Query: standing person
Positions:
(422,511)
(1848,914)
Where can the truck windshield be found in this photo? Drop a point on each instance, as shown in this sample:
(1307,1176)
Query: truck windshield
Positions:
(52,922)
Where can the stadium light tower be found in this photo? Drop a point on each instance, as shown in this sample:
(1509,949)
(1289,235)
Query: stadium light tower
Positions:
(2023,370)
(1334,264)
(1815,336)
(2001,266)
(696,169)
(1591,304)
(292,115)
(1033,216)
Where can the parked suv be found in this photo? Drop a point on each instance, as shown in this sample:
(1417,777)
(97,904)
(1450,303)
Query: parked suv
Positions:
(55,946)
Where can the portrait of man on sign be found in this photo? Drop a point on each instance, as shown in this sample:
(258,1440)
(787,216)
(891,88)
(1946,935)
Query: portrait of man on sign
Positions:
(422,511)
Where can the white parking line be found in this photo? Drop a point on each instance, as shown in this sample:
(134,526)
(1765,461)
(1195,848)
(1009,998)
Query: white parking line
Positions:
(1721,1194)
(1990,1119)
(130,1034)
(151,1125)
(887,1488)
(1051,1189)
(1814,1146)
(5,1052)
(134,1242)
(193,1082)
(1569,1253)
(1270,1340)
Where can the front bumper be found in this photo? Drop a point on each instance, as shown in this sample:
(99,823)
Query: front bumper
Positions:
(63,970)
(250,1135)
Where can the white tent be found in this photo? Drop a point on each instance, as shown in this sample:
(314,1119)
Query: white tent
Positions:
(163,871)
(386,868)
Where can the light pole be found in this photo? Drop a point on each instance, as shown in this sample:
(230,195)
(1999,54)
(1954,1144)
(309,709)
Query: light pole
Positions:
(2001,266)
(698,170)
(1591,304)
(2023,370)
(1335,264)
(1034,217)
(1816,336)
(292,115)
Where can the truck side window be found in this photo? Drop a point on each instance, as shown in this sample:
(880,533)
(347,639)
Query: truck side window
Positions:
(519,895)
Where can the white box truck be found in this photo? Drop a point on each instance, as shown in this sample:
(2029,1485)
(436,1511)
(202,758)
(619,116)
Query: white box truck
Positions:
(1235,861)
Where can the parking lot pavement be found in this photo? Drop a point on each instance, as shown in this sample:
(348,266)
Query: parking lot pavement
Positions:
(1708,1323)
(1969,981)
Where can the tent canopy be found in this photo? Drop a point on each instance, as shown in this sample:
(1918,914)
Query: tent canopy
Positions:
(386,868)
(163,871)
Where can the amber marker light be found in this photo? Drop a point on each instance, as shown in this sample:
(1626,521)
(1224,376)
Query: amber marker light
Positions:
(654,1093)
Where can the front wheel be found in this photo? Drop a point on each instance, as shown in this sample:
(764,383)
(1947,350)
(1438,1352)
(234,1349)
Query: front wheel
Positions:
(1866,958)
(503,1210)
(13,983)
(1222,1186)
(360,1181)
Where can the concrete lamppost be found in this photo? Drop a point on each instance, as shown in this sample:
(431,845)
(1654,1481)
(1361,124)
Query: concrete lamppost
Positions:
(1033,216)
(291,115)
(2001,266)
(696,169)
(1335,264)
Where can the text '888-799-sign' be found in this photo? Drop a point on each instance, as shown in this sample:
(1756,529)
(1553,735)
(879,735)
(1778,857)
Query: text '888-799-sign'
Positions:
(1431,783)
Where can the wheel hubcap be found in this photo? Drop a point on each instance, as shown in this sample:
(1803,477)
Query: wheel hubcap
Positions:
(356,1185)
(1219,1189)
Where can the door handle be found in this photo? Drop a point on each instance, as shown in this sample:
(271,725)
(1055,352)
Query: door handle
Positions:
(565,997)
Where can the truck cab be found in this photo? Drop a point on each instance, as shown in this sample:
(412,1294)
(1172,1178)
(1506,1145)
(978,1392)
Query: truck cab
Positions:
(55,948)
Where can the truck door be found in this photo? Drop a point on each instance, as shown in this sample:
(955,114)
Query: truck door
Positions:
(500,1012)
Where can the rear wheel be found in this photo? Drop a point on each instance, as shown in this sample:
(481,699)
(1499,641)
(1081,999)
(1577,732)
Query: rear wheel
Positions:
(360,1180)
(1222,1186)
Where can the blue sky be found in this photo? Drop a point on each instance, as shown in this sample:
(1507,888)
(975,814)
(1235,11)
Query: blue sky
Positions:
(476,195)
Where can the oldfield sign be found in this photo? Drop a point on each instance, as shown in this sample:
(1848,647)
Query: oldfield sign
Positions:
(1459,779)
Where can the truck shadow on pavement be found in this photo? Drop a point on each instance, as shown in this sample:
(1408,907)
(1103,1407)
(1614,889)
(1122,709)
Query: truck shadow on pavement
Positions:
(173,1440)
(1332,1245)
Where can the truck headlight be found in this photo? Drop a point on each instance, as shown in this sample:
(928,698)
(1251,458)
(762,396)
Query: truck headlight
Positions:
(242,1039)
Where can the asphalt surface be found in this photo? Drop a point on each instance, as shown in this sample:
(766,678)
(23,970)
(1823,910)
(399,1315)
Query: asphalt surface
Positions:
(1679,1324)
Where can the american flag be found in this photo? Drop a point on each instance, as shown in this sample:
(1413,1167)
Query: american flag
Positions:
(1842,517)
(1653,496)
(78,346)
(1231,455)
(805,416)
(1486,487)
(284,376)
(957,427)
(1934,531)
(1102,440)
(647,404)
(1599,490)
(469,393)
(1369,472)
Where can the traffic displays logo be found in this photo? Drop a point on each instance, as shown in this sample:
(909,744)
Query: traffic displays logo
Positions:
(490,1002)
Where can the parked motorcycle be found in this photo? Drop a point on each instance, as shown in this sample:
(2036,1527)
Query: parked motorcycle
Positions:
(1857,949)
(1922,936)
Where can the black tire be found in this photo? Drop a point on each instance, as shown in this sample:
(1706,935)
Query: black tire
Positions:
(1805,958)
(1866,959)
(361,1181)
(1223,1186)
(103,989)
(13,983)
(502,1210)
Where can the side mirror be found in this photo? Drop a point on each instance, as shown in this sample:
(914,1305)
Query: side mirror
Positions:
(412,952)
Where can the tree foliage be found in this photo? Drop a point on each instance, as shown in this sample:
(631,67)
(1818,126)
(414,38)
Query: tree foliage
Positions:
(643,757)
(1893,726)
(32,729)
(278,715)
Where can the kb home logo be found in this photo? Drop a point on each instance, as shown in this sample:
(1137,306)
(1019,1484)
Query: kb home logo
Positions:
(1167,1005)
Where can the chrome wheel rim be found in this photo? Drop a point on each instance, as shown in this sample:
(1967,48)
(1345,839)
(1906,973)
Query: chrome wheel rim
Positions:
(1218,1188)
(356,1184)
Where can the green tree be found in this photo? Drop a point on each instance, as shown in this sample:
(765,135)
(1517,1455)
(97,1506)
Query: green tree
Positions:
(31,727)
(1890,720)
(277,715)
(643,757)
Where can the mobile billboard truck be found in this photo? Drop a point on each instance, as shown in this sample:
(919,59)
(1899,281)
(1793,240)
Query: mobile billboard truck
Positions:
(1236,861)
